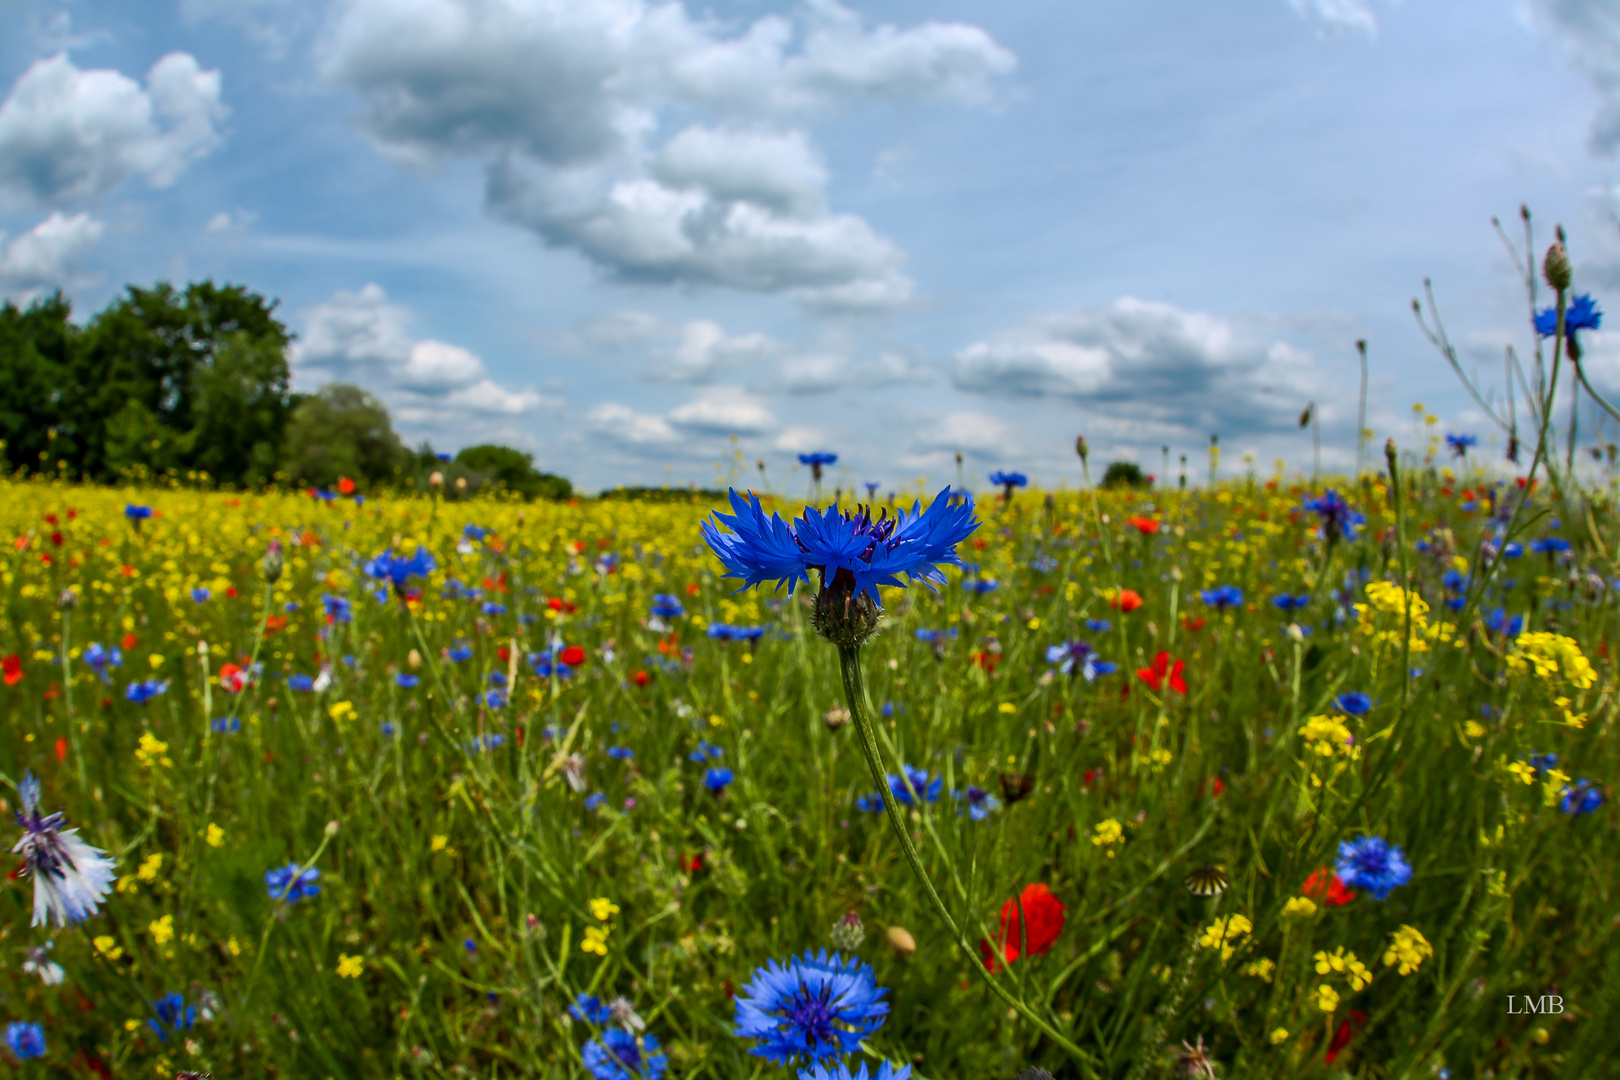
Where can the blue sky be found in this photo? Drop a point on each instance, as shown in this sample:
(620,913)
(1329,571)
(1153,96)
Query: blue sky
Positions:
(618,234)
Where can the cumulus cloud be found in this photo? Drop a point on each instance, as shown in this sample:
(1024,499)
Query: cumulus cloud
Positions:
(362,338)
(623,424)
(1590,33)
(1339,17)
(69,135)
(726,410)
(564,101)
(1149,367)
(974,433)
(47,256)
(696,352)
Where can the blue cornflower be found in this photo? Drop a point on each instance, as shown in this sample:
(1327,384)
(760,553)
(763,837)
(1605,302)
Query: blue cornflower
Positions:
(619,1055)
(460,653)
(623,753)
(929,790)
(1581,797)
(1099,626)
(981,585)
(497,678)
(200,595)
(442,457)
(934,636)
(595,799)
(27,1040)
(1543,762)
(101,659)
(175,1015)
(389,567)
(492,608)
(137,514)
(286,883)
(717,779)
(840,1071)
(1549,544)
(142,692)
(725,632)
(389,730)
(706,751)
(495,699)
(816,1006)
(852,553)
(1077,658)
(1009,479)
(1461,444)
(818,459)
(338,609)
(226,724)
(1512,550)
(406,679)
(1336,517)
(1354,703)
(871,489)
(1582,314)
(1284,602)
(589,1009)
(979,802)
(667,606)
(300,682)
(870,804)
(1454,581)
(1374,864)
(289,606)
(1226,596)
(473,532)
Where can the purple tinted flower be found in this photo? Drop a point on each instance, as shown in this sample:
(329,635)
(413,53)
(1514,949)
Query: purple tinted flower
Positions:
(716,780)
(27,1040)
(1336,517)
(71,878)
(287,883)
(1373,864)
(816,1006)
(979,802)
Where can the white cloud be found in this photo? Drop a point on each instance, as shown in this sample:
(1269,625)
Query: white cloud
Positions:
(229,221)
(46,257)
(975,433)
(725,410)
(362,338)
(563,99)
(68,134)
(1590,33)
(1151,369)
(1339,17)
(800,439)
(706,352)
(624,424)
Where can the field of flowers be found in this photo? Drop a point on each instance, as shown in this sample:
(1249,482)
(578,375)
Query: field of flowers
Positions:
(411,787)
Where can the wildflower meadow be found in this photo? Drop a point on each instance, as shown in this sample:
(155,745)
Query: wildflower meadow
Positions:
(1184,780)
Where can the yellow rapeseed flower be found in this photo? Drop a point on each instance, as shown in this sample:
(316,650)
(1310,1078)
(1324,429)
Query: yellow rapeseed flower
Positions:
(603,908)
(1327,998)
(1279,1036)
(1325,735)
(215,835)
(1551,656)
(1299,905)
(1109,832)
(341,711)
(350,967)
(108,947)
(595,940)
(1223,934)
(1524,771)
(162,930)
(438,843)
(1262,968)
(150,866)
(1409,950)
(149,751)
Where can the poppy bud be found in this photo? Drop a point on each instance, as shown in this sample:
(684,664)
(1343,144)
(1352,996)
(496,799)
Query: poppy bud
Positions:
(900,940)
(332,828)
(271,565)
(461,483)
(436,480)
(1555,267)
(1082,448)
(414,660)
(848,933)
(835,718)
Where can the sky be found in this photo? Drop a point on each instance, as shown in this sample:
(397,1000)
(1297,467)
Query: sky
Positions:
(662,242)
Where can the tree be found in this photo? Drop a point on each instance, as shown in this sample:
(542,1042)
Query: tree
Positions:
(35,346)
(513,470)
(342,431)
(1124,474)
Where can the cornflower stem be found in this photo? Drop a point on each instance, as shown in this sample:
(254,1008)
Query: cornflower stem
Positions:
(849,662)
(270,924)
(67,696)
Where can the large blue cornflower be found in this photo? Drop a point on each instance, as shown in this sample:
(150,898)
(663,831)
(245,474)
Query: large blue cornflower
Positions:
(852,554)
(27,1040)
(716,780)
(840,1071)
(1374,864)
(1337,519)
(817,459)
(286,883)
(927,789)
(1354,703)
(1009,479)
(1581,797)
(1461,444)
(619,1055)
(815,1007)
(1582,314)
(1226,596)
(390,567)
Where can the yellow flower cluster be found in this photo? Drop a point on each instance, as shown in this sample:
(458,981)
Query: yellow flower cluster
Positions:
(1262,968)
(1327,734)
(151,751)
(150,866)
(595,940)
(350,967)
(1346,964)
(1299,905)
(1225,934)
(1551,656)
(1409,950)
(1109,832)
(1389,599)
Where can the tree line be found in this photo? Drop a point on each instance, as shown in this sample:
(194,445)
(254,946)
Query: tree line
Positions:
(164,381)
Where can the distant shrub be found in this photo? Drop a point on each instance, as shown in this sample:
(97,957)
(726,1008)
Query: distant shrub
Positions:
(665,494)
(1124,474)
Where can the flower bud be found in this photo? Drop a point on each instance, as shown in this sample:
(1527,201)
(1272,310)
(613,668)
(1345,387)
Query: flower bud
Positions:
(271,565)
(835,717)
(414,660)
(848,933)
(1082,448)
(1017,786)
(1033,1073)
(900,940)
(461,483)
(436,480)
(332,828)
(1556,268)
(68,600)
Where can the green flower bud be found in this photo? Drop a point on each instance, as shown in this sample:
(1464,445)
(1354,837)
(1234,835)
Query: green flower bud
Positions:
(1556,268)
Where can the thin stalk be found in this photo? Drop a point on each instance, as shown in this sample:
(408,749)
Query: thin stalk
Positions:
(849,662)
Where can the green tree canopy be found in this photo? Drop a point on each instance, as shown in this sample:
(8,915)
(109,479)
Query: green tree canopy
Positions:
(342,431)
(513,470)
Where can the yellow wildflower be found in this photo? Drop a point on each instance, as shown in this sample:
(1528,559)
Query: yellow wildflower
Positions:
(1345,964)
(151,751)
(603,908)
(108,947)
(1327,998)
(438,843)
(1279,1036)
(1474,729)
(1550,656)
(1007,707)
(1326,734)
(1262,968)
(595,940)
(341,711)
(1524,771)
(215,836)
(350,967)
(162,930)
(149,867)
(1409,950)
(1223,934)
(1299,905)
(1109,832)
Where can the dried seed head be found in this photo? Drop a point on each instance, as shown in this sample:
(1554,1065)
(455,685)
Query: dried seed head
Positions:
(835,717)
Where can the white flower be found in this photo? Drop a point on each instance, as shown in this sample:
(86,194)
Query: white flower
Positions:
(71,878)
(39,963)
(322,681)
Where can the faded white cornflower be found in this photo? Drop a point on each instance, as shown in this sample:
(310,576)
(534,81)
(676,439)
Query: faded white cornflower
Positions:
(623,1013)
(71,878)
(39,963)
(573,770)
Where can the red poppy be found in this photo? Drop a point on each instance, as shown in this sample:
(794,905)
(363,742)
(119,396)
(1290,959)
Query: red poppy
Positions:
(1164,672)
(1192,626)
(12,666)
(1327,889)
(1042,923)
(127,570)
(1145,526)
(985,659)
(1218,788)
(1127,601)
(692,589)
(573,656)
(232,678)
(56,539)
(1347,1030)
(345,486)
(272,623)
(61,748)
